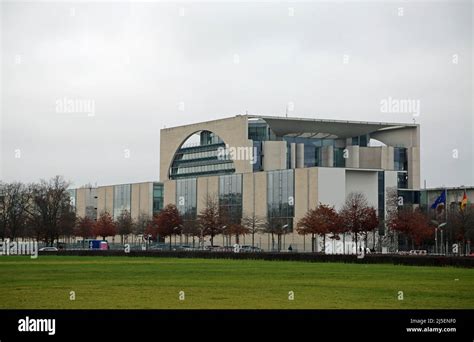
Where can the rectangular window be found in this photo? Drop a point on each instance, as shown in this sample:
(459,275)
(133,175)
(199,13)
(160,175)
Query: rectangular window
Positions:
(157,198)
(400,161)
(280,198)
(402,180)
(230,197)
(339,160)
(381,201)
(122,196)
(186,201)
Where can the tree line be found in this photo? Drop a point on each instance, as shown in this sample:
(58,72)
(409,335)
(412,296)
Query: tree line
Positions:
(43,211)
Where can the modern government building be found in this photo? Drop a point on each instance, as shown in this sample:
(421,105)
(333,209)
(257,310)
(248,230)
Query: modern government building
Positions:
(272,168)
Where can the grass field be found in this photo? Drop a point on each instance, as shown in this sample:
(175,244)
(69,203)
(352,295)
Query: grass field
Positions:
(155,283)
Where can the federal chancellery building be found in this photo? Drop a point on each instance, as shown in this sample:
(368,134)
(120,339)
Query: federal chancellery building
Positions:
(271,168)
(276,168)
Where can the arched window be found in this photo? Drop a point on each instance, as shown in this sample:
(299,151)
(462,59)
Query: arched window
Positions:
(202,153)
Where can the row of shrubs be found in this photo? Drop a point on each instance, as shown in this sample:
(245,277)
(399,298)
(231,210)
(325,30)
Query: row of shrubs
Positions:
(395,259)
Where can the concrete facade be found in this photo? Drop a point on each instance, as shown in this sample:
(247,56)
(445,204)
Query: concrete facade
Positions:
(322,183)
(95,201)
(232,130)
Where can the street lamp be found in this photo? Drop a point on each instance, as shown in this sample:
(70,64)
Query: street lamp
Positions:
(223,235)
(174,233)
(283,229)
(438,227)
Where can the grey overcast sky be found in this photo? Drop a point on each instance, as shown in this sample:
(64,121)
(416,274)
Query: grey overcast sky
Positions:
(148,65)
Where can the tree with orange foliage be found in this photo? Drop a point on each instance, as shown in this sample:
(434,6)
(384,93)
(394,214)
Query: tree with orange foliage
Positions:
(413,224)
(105,226)
(319,221)
(84,228)
(167,222)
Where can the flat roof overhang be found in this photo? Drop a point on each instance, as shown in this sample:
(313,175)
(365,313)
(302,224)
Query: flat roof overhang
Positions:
(282,126)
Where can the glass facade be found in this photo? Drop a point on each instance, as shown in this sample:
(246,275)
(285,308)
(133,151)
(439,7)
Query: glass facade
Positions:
(122,199)
(361,141)
(258,131)
(402,180)
(257,148)
(72,197)
(400,160)
(157,197)
(410,197)
(186,199)
(206,158)
(281,197)
(339,160)
(230,196)
(381,201)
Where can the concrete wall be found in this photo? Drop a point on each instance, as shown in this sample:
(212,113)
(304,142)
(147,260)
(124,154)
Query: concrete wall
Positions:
(365,182)
(233,131)
(105,200)
(370,157)
(254,196)
(402,136)
(293,155)
(274,155)
(352,159)
(141,199)
(413,156)
(387,158)
(300,155)
(306,191)
(332,186)
(327,156)
(169,188)
(261,194)
(81,202)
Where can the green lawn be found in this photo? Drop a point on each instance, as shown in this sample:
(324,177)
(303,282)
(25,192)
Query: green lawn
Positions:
(155,283)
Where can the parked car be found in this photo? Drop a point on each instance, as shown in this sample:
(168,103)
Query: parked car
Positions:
(184,248)
(249,248)
(418,252)
(48,249)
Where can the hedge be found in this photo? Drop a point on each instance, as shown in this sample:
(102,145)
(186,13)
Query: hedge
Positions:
(409,260)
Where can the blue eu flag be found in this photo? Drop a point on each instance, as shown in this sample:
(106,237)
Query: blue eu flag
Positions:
(441,199)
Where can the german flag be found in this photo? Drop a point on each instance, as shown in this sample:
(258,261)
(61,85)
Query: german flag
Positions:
(464,201)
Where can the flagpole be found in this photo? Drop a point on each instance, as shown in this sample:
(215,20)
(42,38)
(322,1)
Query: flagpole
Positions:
(445,220)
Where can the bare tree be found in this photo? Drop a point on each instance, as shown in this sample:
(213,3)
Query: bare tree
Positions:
(254,224)
(277,226)
(209,218)
(50,202)
(140,225)
(15,203)
(357,216)
(124,224)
